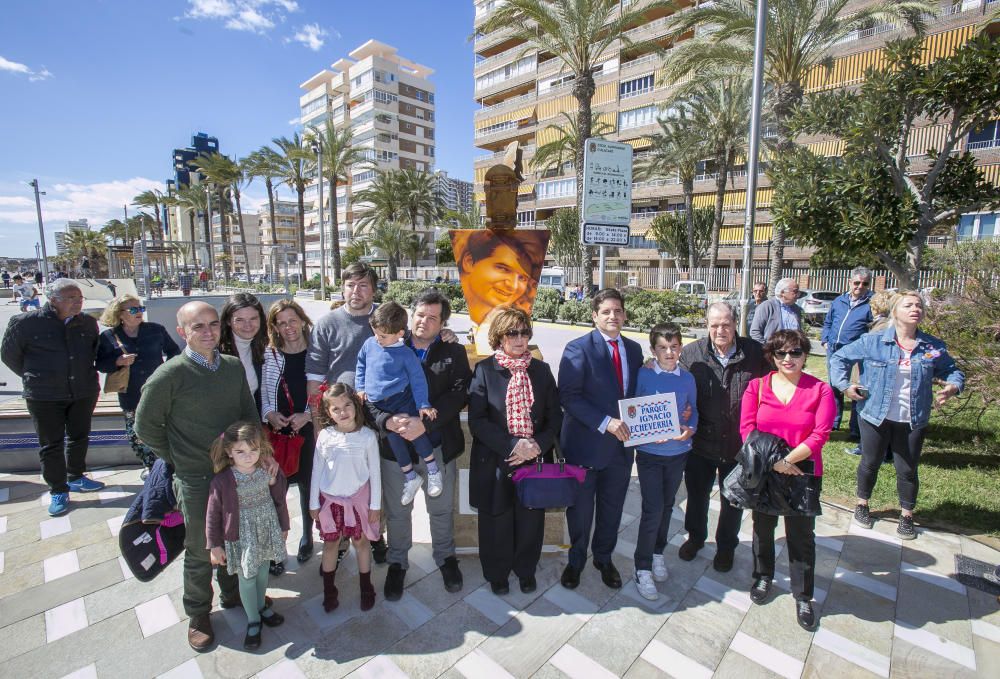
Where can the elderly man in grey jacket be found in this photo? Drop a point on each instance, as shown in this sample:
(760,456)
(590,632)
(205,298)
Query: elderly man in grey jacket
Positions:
(778,313)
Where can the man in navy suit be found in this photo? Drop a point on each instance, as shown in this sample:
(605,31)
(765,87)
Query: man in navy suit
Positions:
(596,371)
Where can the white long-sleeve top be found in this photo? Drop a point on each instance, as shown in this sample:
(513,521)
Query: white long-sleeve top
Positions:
(343,462)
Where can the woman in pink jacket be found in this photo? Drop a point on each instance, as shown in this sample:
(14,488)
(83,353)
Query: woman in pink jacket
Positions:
(799,408)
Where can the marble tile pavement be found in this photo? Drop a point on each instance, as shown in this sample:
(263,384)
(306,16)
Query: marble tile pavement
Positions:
(69,608)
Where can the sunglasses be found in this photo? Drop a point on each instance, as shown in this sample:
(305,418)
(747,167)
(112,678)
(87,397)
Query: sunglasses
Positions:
(135,310)
(862,284)
(794,353)
(514,334)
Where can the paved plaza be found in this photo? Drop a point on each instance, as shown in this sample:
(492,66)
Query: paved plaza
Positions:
(69,607)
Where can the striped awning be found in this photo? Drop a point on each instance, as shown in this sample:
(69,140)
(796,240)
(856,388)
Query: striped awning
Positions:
(734,234)
(827,149)
(640,143)
(517,114)
(525,189)
(990,173)
(922,139)
(734,200)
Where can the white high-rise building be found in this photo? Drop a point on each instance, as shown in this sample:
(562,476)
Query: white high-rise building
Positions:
(388,103)
(71,225)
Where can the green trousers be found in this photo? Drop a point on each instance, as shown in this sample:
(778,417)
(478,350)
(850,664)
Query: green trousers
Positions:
(192,495)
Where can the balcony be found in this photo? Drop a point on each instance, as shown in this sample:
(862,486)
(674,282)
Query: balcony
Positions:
(521,100)
(497,60)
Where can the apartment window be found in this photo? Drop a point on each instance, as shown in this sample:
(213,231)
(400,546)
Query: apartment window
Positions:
(365,176)
(314,105)
(526,218)
(636,86)
(387,137)
(557,188)
(338,111)
(361,80)
(384,76)
(987,137)
(637,117)
(429,150)
(341,201)
(513,70)
(972,227)
(384,97)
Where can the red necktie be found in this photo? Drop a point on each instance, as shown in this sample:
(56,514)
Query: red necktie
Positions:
(616,358)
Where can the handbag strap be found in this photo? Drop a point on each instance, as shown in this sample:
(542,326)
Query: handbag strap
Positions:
(284,384)
(121,345)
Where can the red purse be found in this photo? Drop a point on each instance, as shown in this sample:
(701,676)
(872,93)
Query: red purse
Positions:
(287,447)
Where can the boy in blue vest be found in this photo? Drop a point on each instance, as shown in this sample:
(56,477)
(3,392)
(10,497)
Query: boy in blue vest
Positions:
(661,464)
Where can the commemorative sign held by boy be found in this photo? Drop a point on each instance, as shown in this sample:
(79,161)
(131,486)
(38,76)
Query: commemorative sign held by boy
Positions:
(650,418)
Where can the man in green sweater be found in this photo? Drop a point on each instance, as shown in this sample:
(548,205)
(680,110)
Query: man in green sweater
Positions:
(186,404)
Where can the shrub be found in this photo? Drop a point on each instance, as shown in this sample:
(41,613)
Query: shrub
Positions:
(547,303)
(575,311)
(646,308)
(404,292)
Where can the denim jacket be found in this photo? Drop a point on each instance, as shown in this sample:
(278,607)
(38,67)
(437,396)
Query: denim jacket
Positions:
(879,357)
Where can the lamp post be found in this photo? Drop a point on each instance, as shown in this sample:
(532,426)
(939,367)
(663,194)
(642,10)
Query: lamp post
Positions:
(317,148)
(752,159)
(41,228)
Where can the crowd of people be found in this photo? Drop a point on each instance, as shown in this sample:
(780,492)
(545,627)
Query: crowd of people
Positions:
(361,411)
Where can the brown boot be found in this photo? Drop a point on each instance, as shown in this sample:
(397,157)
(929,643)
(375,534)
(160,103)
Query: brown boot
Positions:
(200,634)
(367,592)
(330,593)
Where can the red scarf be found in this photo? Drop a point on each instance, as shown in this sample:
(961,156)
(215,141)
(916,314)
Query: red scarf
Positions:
(520,395)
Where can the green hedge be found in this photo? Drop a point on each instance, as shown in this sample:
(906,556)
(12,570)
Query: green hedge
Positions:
(547,303)
(646,308)
(404,292)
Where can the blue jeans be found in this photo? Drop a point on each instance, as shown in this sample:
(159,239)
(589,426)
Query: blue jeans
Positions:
(659,478)
(403,403)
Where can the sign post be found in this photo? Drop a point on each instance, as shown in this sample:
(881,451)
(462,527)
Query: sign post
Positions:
(607,196)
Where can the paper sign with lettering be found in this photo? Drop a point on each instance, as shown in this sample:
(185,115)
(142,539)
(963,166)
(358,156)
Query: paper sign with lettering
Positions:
(650,418)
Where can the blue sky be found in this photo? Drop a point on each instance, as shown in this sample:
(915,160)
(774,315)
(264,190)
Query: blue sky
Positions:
(97,93)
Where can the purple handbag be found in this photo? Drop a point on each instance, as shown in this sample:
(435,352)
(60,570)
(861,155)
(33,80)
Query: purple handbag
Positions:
(546,486)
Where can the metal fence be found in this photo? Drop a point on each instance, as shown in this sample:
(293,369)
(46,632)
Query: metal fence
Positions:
(163,266)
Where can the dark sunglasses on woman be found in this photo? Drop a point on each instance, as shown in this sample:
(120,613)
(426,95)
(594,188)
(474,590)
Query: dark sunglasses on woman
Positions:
(134,310)
(794,353)
(514,334)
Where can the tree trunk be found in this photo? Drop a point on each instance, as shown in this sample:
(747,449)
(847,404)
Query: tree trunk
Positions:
(301,190)
(722,166)
(391,261)
(689,224)
(243,234)
(226,249)
(274,229)
(583,91)
(335,230)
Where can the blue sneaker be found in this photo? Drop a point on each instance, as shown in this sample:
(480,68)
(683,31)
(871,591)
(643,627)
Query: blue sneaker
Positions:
(84,485)
(59,504)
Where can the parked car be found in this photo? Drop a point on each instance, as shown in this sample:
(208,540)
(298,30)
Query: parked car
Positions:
(815,304)
(696,288)
(553,277)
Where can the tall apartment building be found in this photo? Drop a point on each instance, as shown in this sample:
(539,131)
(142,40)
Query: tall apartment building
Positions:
(388,103)
(235,247)
(71,225)
(455,194)
(523,93)
(179,224)
(286,231)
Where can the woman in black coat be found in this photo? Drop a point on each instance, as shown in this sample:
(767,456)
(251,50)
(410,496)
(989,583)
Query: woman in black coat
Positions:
(514,417)
(130,340)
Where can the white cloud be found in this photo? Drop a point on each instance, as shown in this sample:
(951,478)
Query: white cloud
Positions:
(294,121)
(311,35)
(23,69)
(252,16)
(96,202)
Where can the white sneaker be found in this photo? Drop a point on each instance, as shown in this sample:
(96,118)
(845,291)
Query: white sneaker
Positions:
(410,489)
(659,568)
(434,484)
(644,583)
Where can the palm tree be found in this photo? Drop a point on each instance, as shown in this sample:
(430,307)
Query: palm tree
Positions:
(677,149)
(115,230)
(580,33)
(228,177)
(89,244)
(389,237)
(379,202)
(296,167)
(718,103)
(473,219)
(562,149)
(154,200)
(800,34)
(419,197)
(193,200)
(264,163)
(339,157)
(414,248)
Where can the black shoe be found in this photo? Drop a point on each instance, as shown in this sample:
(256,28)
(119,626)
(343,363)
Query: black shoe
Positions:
(380,550)
(276,568)
(905,529)
(805,615)
(237,602)
(761,588)
(609,574)
(689,550)
(305,549)
(528,585)
(273,620)
(451,575)
(570,577)
(394,582)
(500,588)
(862,517)
(723,561)
(251,641)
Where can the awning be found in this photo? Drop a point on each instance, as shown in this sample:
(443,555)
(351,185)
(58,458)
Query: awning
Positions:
(517,114)
(640,143)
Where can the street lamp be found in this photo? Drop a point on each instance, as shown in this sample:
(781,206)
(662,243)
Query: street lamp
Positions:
(41,229)
(317,148)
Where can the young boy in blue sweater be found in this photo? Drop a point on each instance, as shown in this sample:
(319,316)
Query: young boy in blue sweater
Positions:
(389,375)
(661,464)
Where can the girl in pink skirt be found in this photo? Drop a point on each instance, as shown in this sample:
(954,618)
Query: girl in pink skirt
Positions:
(345,498)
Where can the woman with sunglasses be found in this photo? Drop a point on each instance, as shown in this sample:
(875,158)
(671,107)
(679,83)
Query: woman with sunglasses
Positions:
(798,408)
(243,334)
(514,417)
(130,340)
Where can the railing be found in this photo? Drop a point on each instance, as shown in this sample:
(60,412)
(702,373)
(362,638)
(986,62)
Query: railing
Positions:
(987,144)
(644,59)
(527,148)
(638,93)
(651,26)
(663,181)
(863,33)
(518,51)
(498,129)
(522,99)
